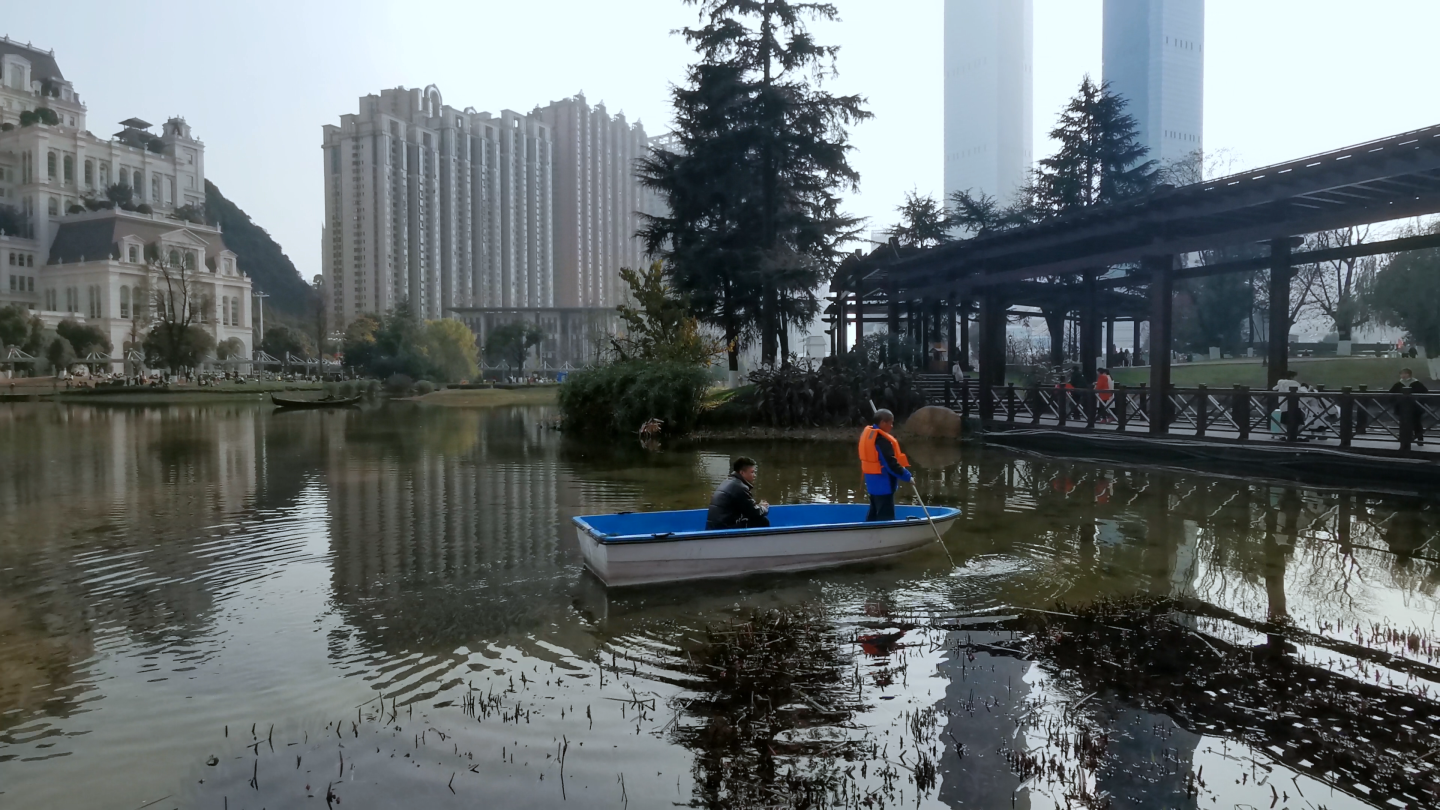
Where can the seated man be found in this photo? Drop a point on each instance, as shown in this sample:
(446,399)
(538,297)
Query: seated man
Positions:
(733,506)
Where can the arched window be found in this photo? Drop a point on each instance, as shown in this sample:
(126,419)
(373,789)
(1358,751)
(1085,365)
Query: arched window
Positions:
(50,164)
(90,174)
(125,302)
(54,206)
(174,257)
(69,169)
(189,260)
(124,176)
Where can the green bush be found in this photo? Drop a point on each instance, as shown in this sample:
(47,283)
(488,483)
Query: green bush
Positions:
(347,389)
(398,384)
(330,389)
(621,397)
(424,387)
(834,394)
(372,388)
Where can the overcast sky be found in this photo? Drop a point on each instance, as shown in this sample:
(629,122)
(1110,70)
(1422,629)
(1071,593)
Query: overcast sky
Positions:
(257,79)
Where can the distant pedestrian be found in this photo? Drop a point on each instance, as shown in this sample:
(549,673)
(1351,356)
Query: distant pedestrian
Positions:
(1103,385)
(1408,384)
(1283,416)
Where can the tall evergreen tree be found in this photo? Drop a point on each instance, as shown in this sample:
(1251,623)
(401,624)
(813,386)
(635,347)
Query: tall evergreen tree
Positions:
(1099,160)
(924,222)
(754,223)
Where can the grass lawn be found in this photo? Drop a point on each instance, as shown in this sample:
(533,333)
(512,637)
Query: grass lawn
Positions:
(491,397)
(1332,372)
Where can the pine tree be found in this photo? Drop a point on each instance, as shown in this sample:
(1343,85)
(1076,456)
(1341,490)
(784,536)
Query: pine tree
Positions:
(1099,160)
(754,223)
(923,222)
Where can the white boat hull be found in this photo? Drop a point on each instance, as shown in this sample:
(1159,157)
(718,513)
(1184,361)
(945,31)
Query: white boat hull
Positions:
(631,562)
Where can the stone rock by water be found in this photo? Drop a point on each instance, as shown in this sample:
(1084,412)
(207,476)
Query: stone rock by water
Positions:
(934,421)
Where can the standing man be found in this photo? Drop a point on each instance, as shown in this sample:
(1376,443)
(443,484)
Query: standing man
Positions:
(733,506)
(1408,383)
(883,464)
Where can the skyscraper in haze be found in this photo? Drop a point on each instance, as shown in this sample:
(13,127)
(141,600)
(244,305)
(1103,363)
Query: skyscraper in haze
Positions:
(988,98)
(1154,56)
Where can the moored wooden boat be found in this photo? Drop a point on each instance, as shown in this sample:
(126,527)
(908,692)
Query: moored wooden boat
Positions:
(335,402)
(635,548)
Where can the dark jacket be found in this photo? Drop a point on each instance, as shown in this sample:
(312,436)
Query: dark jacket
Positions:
(733,507)
(1415,387)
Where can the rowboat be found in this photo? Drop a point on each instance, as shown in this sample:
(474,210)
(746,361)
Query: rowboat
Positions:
(333,402)
(636,548)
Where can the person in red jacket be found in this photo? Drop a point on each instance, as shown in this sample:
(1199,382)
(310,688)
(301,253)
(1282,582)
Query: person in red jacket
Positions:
(883,463)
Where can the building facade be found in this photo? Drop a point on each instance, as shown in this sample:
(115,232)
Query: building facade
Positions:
(598,201)
(65,250)
(1154,57)
(436,207)
(989,75)
(454,210)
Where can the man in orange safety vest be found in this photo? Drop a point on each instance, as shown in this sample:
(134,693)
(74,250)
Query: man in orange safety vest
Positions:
(883,464)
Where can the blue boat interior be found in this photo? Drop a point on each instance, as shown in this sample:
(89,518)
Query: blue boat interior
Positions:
(790,518)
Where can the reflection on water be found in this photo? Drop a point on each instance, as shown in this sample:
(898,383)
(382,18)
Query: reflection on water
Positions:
(170,576)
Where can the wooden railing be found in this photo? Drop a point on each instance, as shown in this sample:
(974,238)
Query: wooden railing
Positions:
(1345,418)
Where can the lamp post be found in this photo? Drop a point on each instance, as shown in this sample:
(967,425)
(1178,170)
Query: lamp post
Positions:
(260,297)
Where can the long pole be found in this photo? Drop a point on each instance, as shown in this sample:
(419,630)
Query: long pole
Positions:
(933,527)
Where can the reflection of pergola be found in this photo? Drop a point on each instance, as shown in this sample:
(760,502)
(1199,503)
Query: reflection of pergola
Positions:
(95,358)
(264,360)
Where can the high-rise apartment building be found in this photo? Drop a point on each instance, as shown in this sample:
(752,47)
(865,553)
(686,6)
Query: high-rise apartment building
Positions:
(461,210)
(989,72)
(436,207)
(1154,56)
(598,201)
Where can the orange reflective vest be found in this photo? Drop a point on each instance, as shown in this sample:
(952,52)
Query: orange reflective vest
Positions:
(870,457)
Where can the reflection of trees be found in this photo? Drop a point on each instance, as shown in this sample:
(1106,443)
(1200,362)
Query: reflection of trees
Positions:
(101,510)
(1341,727)
(766,687)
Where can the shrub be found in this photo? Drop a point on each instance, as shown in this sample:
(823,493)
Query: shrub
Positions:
(834,394)
(347,389)
(331,389)
(424,387)
(620,397)
(372,388)
(398,384)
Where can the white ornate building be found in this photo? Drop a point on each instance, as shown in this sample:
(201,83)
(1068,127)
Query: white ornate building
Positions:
(63,261)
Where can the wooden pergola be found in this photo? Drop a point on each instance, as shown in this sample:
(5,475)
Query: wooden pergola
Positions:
(1078,260)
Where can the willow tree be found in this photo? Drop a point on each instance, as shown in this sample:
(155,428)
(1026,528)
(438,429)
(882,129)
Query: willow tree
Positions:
(754,222)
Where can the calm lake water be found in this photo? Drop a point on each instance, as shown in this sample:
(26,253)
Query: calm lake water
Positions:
(219,606)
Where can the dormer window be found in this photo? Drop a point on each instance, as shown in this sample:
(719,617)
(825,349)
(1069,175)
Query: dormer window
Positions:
(132,254)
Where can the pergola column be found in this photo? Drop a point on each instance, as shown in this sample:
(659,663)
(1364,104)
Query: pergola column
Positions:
(1135,341)
(952,343)
(837,328)
(1162,293)
(1280,272)
(992,349)
(964,328)
(1110,342)
(1089,325)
